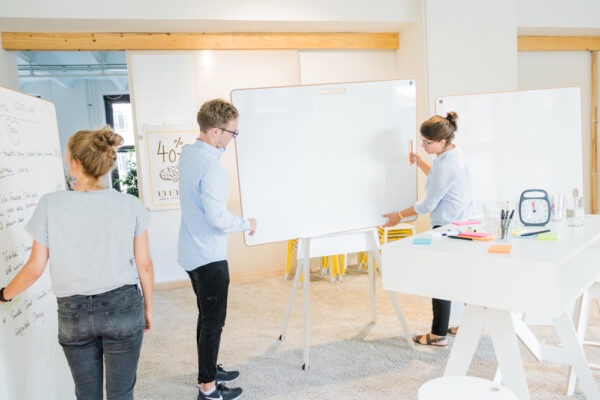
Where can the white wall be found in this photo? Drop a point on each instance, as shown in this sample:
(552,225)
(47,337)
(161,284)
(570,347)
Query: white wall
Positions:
(207,15)
(559,16)
(80,106)
(8,70)
(471,47)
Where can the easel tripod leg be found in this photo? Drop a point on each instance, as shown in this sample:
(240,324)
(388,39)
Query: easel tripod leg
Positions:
(291,300)
(306,295)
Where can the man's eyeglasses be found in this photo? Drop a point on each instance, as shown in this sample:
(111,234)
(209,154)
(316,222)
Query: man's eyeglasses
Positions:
(233,133)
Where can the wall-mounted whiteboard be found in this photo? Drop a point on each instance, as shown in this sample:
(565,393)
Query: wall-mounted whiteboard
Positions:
(32,364)
(321,159)
(520,140)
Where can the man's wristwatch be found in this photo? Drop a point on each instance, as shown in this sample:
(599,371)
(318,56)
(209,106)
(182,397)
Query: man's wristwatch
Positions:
(2,298)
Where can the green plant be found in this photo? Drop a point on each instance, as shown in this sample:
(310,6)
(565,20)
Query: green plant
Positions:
(130,182)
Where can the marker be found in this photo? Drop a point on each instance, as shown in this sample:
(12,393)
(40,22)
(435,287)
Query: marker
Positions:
(459,237)
(534,233)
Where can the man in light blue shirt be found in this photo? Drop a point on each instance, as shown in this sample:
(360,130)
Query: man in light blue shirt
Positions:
(202,247)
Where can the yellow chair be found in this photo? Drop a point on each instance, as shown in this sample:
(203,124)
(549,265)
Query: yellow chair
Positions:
(336,271)
(292,244)
(386,235)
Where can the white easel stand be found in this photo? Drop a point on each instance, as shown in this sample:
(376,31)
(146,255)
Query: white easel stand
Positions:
(342,243)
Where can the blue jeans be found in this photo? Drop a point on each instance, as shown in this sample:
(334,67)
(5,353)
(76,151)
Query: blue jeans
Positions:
(211,285)
(103,330)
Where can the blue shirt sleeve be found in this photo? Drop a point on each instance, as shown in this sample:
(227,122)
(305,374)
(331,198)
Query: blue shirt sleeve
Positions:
(214,200)
(438,184)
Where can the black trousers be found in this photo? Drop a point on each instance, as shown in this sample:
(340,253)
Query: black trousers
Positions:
(441,314)
(211,285)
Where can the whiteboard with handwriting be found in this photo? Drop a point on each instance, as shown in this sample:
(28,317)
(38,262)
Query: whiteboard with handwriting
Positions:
(320,159)
(529,139)
(32,364)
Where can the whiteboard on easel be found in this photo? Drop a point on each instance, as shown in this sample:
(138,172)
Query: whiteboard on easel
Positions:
(321,159)
(32,364)
(520,140)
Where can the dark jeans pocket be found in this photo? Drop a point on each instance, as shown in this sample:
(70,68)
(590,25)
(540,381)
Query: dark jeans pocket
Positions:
(128,321)
(67,327)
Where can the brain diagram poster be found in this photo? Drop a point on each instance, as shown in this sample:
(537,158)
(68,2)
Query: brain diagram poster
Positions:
(163,148)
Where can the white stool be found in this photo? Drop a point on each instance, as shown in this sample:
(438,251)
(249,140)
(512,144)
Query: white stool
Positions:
(464,388)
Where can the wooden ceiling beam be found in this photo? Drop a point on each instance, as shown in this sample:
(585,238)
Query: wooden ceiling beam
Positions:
(197,41)
(558,43)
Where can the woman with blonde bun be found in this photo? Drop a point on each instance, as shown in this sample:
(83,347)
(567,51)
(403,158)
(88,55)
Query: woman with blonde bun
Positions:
(96,242)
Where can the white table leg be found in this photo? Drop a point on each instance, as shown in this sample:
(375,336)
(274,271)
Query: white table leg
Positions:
(580,316)
(506,347)
(500,326)
(401,318)
(466,342)
(572,354)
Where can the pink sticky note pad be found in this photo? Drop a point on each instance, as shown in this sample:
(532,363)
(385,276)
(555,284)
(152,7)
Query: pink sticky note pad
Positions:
(467,222)
(475,235)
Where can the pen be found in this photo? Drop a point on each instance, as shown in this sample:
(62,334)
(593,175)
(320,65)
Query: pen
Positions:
(535,233)
(458,237)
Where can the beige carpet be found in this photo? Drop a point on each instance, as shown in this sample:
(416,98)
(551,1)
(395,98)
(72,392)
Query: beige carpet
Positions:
(350,358)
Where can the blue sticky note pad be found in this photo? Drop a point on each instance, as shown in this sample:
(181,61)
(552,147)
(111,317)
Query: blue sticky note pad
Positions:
(421,240)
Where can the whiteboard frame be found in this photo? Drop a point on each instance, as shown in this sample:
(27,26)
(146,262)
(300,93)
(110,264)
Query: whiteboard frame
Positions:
(297,138)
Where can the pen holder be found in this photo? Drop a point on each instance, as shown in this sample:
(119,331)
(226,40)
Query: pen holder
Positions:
(503,231)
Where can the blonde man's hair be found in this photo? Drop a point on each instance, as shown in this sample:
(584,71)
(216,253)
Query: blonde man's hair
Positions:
(215,114)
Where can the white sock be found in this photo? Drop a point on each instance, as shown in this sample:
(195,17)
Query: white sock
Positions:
(210,391)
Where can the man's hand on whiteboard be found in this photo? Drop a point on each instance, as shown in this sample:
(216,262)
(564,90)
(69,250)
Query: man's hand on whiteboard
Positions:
(252,226)
(393,219)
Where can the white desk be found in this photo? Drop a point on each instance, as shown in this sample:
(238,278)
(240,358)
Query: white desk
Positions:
(539,277)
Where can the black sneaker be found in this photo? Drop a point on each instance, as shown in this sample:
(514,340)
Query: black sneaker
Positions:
(221,392)
(226,376)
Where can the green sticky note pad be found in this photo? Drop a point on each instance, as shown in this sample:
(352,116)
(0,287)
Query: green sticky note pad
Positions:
(547,236)
(519,231)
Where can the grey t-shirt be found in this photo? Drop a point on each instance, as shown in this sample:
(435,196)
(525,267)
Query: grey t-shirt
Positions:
(90,239)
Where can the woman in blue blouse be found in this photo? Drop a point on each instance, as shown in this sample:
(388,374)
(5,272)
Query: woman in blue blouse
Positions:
(448,199)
